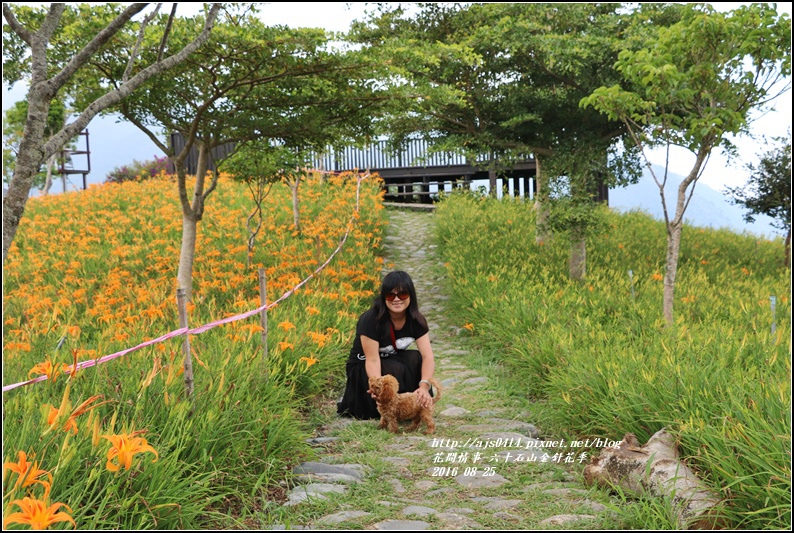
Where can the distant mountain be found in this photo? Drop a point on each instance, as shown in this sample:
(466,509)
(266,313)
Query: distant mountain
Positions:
(708,208)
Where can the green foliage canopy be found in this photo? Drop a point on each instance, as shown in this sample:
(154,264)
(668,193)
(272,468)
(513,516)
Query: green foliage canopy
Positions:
(249,82)
(497,81)
(47,47)
(693,84)
(696,81)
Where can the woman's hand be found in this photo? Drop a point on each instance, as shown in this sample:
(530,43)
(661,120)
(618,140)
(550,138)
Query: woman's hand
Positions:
(428,369)
(423,395)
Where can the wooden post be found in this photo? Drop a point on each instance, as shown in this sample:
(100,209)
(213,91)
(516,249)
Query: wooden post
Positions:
(188,361)
(263,318)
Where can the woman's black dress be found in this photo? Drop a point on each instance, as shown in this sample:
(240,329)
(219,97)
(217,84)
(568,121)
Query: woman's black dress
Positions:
(405,365)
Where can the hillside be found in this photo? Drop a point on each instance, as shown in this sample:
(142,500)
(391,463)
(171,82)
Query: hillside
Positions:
(88,303)
(599,361)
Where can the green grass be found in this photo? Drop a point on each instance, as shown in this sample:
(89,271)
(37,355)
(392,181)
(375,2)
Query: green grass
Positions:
(600,363)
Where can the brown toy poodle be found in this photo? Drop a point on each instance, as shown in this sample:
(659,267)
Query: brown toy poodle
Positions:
(394,407)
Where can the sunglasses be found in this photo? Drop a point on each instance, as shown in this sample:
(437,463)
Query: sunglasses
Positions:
(404,295)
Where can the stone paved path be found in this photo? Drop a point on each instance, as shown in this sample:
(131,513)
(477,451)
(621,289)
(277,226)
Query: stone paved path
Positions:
(482,469)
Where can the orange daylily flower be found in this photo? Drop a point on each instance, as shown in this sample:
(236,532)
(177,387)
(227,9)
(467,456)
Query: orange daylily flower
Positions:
(124,447)
(70,424)
(469,326)
(20,346)
(657,277)
(286,325)
(49,369)
(28,473)
(37,514)
(320,339)
(309,360)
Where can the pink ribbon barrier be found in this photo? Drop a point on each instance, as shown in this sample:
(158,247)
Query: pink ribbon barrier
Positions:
(201,329)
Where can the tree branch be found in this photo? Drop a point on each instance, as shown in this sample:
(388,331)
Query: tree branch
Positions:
(168,25)
(82,57)
(38,52)
(126,114)
(138,43)
(127,88)
(18,28)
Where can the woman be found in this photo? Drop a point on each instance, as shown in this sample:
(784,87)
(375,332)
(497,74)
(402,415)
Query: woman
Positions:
(382,335)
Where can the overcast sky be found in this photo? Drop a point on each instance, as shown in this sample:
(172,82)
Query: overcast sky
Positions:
(114,144)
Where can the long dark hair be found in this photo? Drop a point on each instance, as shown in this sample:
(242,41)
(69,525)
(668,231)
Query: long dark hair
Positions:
(399,281)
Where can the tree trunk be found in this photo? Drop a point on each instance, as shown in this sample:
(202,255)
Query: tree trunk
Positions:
(30,156)
(48,181)
(656,469)
(187,253)
(294,183)
(542,233)
(673,248)
(191,214)
(788,249)
(674,229)
(252,232)
(321,168)
(577,262)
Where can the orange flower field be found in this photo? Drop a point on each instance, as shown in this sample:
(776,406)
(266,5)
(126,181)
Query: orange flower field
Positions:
(94,272)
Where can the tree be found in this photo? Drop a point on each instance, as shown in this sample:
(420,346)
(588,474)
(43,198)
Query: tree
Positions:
(501,81)
(257,167)
(561,53)
(768,190)
(42,46)
(693,84)
(572,206)
(259,164)
(448,81)
(249,82)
